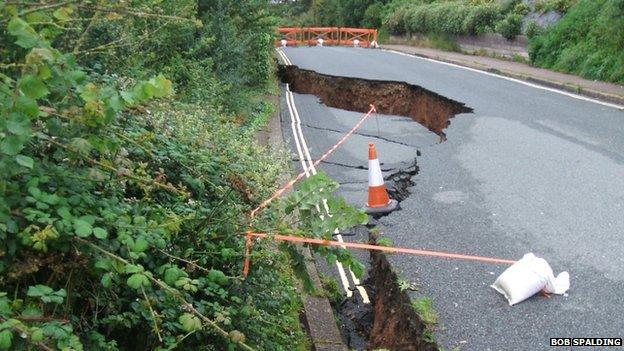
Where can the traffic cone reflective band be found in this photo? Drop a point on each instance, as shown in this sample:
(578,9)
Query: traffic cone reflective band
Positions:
(378,199)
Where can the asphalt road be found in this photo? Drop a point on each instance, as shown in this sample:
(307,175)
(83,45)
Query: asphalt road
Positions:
(530,170)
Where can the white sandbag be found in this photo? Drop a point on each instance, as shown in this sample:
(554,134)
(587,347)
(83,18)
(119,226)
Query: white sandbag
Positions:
(529,276)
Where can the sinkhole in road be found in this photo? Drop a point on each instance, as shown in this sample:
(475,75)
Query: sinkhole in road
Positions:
(432,110)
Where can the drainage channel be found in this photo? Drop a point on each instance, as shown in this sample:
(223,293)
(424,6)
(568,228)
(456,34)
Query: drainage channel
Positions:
(389,97)
(389,321)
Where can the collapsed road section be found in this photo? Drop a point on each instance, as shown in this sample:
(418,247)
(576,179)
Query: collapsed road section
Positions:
(389,320)
(389,97)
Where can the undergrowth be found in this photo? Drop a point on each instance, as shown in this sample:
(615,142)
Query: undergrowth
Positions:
(588,41)
(128,171)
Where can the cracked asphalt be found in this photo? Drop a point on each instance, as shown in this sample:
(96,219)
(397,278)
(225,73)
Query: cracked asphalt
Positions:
(529,171)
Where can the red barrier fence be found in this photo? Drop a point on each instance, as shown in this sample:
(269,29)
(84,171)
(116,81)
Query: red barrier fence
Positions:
(295,36)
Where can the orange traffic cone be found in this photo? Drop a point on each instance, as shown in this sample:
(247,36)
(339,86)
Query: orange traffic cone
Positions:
(378,199)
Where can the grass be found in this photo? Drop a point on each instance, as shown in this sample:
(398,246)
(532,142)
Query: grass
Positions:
(587,41)
(331,289)
(436,41)
(424,307)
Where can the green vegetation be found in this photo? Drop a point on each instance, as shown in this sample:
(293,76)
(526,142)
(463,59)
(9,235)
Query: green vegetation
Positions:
(466,17)
(588,40)
(429,18)
(350,13)
(424,307)
(128,168)
(425,310)
(510,26)
(331,289)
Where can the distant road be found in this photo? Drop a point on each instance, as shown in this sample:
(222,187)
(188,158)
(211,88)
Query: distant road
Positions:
(531,170)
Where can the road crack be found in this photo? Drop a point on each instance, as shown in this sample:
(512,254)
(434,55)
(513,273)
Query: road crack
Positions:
(359,133)
(348,165)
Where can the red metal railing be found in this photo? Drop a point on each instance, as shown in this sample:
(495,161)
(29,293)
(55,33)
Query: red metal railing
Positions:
(331,36)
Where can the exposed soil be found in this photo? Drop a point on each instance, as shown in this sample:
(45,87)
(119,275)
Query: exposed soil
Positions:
(389,97)
(389,321)
(396,324)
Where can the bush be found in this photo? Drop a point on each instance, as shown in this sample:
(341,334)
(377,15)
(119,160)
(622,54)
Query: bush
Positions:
(532,29)
(588,40)
(396,22)
(373,16)
(452,17)
(554,5)
(522,8)
(481,19)
(510,26)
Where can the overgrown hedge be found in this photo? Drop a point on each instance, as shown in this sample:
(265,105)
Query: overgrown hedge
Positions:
(460,17)
(588,40)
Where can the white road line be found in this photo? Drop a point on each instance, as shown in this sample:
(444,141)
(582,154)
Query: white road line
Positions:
(536,86)
(308,158)
(300,139)
(284,57)
(341,271)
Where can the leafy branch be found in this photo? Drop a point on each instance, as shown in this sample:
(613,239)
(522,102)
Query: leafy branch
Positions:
(175,293)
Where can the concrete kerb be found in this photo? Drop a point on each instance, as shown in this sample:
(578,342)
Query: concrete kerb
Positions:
(319,316)
(580,90)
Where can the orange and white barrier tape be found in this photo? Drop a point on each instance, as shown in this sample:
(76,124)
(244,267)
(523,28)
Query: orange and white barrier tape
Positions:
(391,249)
(288,185)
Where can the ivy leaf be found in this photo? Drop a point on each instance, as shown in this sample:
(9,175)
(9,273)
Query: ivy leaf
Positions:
(64,213)
(33,87)
(26,36)
(36,335)
(173,274)
(5,306)
(106,280)
(134,268)
(46,294)
(24,161)
(56,330)
(27,106)
(32,311)
(39,290)
(162,86)
(83,229)
(100,233)
(18,124)
(357,268)
(63,14)
(6,337)
(128,97)
(12,145)
(137,280)
(217,276)
(139,245)
(189,322)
